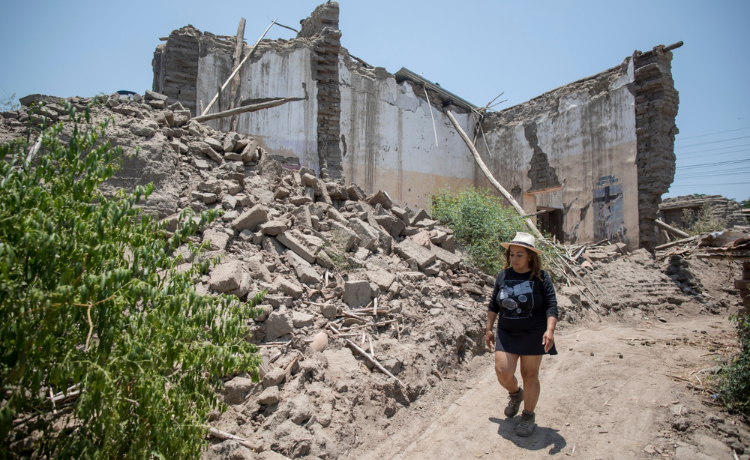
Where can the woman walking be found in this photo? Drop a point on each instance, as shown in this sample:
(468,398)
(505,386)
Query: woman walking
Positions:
(525,307)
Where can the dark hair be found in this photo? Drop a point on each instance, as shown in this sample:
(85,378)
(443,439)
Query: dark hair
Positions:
(535,262)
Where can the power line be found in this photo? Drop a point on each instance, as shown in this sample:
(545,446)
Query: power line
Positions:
(712,142)
(710,134)
(715,174)
(713,150)
(709,185)
(711,165)
(681,157)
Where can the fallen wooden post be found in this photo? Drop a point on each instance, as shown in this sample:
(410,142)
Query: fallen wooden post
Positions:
(224,435)
(250,108)
(252,51)
(675,243)
(670,229)
(372,360)
(490,178)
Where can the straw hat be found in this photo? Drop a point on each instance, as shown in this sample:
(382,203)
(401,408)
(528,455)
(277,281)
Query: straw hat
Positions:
(525,240)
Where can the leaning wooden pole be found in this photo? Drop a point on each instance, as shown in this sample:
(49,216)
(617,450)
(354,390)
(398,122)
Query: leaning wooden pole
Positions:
(223,87)
(671,229)
(248,108)
(490,178)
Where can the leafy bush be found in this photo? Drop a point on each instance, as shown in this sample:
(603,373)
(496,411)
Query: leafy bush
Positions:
(480,222)
(95,313)
(702,221)
(733,382)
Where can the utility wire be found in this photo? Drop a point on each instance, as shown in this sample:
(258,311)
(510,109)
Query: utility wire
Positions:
(713,150)
(711,165)
(712,142)
(715,174)
(710,134)
(687,156)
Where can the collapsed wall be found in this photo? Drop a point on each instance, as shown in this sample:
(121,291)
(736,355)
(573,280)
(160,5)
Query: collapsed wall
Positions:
(671,209)
(600,150)
(577,142)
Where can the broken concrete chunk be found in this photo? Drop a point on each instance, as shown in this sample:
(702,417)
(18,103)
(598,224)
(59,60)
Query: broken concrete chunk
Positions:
(258,269)
(305,272)
(408,249)
(432,269)
(227,276)
(422,238)
(271,245)
(313,182)
(281,193)
(449,244)
(236,389)
(450,259)
(229,141)
(336,191)
(382,278)
(273,377)
(217,239)
(244,286)
(328,310)
(152,95)
(300,319)
(306,246)
(401,214)
(251,218)
(250,153)
(214,144)
(273,227)
(229,202)
(200,164)
(472,288)
(355,192)
(279,323)
(289,288)
(204,197)
(418,216)
(343,237)
(357,293)
(368,236)
(197,147)
(269,396)
(300,200)
(380,197)
(212,154)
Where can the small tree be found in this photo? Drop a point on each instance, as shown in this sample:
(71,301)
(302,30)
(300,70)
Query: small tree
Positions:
(106,350)
(701,221)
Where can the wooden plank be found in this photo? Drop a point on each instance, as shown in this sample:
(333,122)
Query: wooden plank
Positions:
(671,229)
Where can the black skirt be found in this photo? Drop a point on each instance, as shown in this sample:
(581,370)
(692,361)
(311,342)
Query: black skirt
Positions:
(522,336)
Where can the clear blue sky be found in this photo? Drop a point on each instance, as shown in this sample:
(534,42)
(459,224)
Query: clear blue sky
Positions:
(475,49)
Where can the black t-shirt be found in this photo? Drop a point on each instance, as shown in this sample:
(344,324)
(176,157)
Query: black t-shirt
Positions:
(517,297)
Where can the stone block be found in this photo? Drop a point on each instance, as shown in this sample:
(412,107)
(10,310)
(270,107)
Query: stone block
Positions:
(217,239)
(269,396)
(229,202)
(343,237)
(355,192)
(279,323)
(290,288)
(449,244)
(368,236)
(227,276)
(357,293)
(306,246)
(229,141)
(300,319)
(258,269)
(408,249)
(450,259)
(380,197)
(382,278)
(418,217)
(273,227)
(251,218)
(305,272)
(214,144)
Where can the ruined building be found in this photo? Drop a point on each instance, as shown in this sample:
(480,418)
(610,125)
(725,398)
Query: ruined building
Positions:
(672,210)
(594,155)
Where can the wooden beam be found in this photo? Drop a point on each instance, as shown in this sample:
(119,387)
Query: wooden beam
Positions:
(248,108)
(490,178)
(252,51)
(671,229)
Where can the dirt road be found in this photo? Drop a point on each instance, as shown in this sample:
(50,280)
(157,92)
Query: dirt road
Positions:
(604,396)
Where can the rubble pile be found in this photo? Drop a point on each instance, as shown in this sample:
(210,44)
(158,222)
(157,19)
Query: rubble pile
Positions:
(368,304)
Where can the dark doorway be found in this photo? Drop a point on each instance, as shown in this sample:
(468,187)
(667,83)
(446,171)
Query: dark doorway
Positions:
(552,222)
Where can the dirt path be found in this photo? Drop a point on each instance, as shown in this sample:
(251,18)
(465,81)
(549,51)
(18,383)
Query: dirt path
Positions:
(594,404)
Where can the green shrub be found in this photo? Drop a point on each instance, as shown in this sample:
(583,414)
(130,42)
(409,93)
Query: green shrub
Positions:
(93,308)
(702,221)
(480,223)
(733,382)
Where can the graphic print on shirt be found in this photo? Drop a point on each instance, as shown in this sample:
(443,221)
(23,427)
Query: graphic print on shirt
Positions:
(516,299)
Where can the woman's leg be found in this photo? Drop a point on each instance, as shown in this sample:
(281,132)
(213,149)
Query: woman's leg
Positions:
(530,375)
(505,368)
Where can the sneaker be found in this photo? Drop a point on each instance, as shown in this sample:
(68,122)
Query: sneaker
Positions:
(527,425)
(514,403)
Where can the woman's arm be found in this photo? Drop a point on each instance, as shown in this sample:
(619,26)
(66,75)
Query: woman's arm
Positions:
(548,339)
(489,336)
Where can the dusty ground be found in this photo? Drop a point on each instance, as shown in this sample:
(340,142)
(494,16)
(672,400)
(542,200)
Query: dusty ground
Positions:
(594,402)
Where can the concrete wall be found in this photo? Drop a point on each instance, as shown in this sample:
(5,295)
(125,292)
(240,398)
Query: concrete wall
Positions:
(388,140)
(289,130)
(572,148)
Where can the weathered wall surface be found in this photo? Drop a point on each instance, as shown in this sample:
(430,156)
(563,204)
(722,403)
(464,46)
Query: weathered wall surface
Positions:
(175,66)
(671,209)
(579,141)
(388,141)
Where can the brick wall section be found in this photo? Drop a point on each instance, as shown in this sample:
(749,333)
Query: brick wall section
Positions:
(656,102)
(175,67)
(322,27)
(721,208)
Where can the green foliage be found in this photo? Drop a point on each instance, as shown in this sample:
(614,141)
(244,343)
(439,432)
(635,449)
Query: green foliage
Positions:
(733,382)
(702,221)
(9,103)
(93,308)
(480,223)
